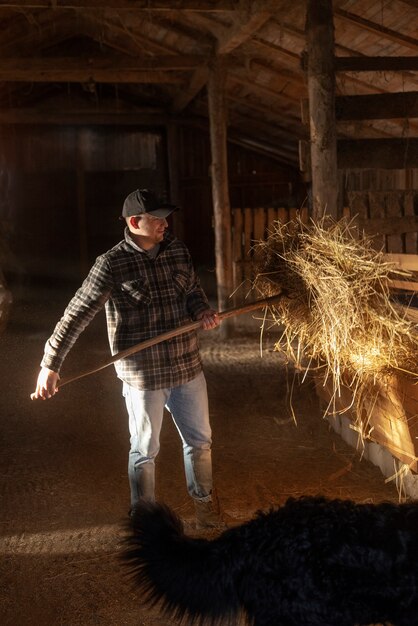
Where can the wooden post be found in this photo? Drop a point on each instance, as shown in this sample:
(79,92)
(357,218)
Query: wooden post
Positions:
(220,193)
(81,204)
(172,135)
(321,91)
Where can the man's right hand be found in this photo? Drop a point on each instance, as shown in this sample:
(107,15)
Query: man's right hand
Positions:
(46,385)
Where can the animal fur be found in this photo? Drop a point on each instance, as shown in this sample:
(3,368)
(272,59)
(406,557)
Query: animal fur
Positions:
(311,562)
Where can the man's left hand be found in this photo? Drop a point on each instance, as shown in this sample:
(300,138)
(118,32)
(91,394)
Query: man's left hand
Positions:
(209,318)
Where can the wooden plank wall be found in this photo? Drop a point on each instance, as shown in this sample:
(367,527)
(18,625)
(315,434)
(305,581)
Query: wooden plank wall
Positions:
(385,205)
(250,225)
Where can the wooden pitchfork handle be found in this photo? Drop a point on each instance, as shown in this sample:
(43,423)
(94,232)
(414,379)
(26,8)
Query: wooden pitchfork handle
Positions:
(258,304)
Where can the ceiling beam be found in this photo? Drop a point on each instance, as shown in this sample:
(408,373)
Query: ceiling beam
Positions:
(186,95)
(376,29)
(75,116)
(382,106)
(247,21)
(378,153)
(376,64)
(119,37)
(97,69)
(412,3)
(207,6)
(340,60)
(257,144)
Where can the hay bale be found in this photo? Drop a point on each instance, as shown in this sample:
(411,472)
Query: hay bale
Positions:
(340,315)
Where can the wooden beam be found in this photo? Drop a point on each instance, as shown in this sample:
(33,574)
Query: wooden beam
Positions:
(389,225)
(198,80)
(262,134)
(377,106)
(371,107)
(348,52)
(219,175)
(249,80)
(321,90)
(99,69)
(79,117)
(387,33)
(265,148)
(206,6)
(376,64)
(378,153)
(258,144)
(274,50)
(248,19)
(412,3)
(268,111)
(407,262)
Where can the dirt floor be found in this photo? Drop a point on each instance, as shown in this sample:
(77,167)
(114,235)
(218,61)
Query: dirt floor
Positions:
(63,465)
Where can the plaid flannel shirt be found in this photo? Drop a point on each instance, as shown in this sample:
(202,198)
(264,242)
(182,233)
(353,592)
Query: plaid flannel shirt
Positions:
(143,297)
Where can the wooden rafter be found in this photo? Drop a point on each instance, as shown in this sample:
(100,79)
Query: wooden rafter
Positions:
(376,64)
(246,22)
(194,85)
(267,92)
(378,106)
(378,153)
(388,33)
(131,5)
(81,117)
(99,69)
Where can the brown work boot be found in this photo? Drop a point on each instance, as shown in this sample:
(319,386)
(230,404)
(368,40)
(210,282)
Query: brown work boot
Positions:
(208,515)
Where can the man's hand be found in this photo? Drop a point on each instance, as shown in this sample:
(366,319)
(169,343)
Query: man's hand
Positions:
(46,386)
(209,318)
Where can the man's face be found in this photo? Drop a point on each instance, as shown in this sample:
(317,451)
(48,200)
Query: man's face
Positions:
(152,228)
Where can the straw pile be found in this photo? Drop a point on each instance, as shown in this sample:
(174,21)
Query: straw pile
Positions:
(339,315)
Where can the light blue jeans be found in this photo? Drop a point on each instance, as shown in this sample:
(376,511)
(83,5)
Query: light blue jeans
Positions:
(188,405)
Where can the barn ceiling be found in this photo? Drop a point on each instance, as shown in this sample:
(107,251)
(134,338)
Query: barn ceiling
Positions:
(147,62)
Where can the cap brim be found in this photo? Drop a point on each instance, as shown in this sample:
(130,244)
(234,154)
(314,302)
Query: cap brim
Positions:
(163,211)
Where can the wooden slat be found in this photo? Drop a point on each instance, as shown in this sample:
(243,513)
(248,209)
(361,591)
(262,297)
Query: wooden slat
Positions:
(271,217)
(282,215)
(377,212)
(259,223)
(248,232)
(378,153)
(404,285)
(394,209)
(411,239)
(409,263)
(237,230)
(390,226)
(405,261)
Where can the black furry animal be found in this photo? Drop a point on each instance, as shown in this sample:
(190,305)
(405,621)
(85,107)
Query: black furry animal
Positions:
(311,562)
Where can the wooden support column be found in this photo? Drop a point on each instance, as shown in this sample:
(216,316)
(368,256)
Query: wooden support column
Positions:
(220,192)
(81,204)
(172,134)
(321,91)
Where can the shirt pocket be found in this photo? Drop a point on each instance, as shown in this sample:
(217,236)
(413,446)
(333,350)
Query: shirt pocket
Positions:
(136,291)
(180,282)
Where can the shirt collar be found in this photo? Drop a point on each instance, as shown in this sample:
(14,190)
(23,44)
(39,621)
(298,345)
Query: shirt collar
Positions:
(168,239)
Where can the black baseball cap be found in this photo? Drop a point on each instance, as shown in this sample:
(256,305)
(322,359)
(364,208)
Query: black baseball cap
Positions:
(145,201)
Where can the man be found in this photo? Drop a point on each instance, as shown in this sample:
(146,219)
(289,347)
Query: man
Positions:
(148,285)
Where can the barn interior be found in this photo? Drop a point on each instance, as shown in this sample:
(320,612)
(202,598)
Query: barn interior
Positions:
(242,113)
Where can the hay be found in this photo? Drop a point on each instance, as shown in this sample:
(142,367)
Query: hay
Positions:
(339,316)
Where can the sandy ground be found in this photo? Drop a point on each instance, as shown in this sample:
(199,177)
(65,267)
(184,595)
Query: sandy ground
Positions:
(63,484)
